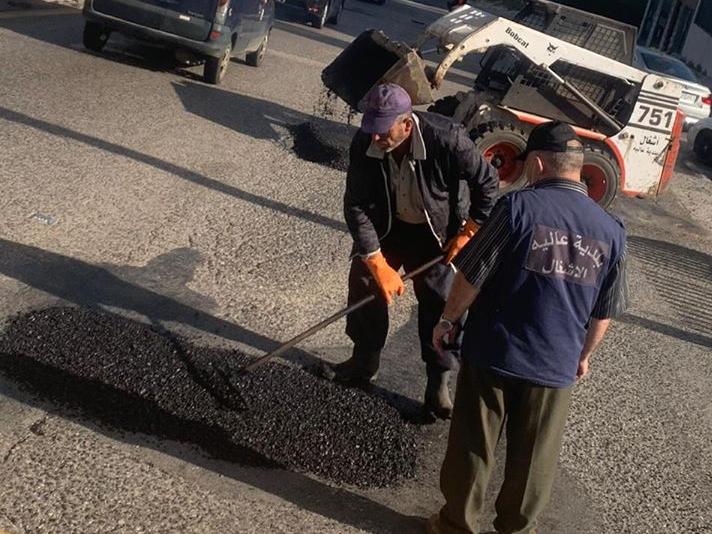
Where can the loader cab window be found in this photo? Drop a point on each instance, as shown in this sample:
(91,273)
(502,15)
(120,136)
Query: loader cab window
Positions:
(536,91)
(500,67)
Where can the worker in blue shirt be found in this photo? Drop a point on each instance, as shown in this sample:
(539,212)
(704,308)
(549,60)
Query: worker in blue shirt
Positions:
(541,280)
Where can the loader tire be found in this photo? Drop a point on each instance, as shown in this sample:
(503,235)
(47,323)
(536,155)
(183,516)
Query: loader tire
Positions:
(601,175)
(500,144)
(445,106)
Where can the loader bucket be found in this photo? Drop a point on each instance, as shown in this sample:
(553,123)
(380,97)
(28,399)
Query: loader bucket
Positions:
(373,58)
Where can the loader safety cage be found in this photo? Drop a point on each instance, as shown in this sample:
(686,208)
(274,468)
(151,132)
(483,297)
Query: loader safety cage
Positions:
(609,38)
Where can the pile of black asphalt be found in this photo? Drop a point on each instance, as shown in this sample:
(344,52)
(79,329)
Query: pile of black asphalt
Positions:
(315,142)
(139,378)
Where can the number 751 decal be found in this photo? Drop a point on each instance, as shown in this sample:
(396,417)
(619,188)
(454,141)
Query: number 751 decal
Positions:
(656,116)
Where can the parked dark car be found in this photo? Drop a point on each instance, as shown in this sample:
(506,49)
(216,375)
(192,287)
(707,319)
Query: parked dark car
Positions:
(215,30)
(319,12)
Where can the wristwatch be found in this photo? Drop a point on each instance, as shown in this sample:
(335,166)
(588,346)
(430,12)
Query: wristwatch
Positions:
(448,322)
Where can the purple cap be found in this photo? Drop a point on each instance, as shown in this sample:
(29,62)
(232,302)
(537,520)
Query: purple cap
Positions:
(383,104)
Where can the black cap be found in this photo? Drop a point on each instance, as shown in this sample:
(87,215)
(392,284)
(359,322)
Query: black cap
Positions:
(551,136)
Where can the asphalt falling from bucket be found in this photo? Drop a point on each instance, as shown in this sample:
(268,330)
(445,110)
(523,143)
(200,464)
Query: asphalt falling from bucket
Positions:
(135,377)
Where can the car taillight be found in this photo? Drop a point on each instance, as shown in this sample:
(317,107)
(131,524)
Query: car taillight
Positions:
(707,100)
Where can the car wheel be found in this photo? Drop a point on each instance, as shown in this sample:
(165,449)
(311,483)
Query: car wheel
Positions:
(95,36)
(319,20)
(256,58)
(601,175)
(216,67)
(380,2)
(335,17)
(703,146)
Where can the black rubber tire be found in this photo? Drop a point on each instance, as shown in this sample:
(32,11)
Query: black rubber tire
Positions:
(215,68)
(489,134)
(703,147)
(256,58)
(334,19)
(445,106)
(319,20)
(380,2)
(95,36)
(610,172)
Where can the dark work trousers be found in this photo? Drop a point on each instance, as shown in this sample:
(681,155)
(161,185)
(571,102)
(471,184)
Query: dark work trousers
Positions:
(408,246)
(533,417)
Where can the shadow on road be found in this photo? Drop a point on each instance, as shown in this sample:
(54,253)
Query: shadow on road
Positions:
(96,286)
(315,139)
(668,330)
(683,277)
(247,115)
(176,170)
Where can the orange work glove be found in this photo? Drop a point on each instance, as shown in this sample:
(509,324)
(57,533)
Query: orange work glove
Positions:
(456,244)
(387,278)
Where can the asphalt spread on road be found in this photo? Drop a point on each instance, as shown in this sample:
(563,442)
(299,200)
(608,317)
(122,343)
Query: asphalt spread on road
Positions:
(141,378)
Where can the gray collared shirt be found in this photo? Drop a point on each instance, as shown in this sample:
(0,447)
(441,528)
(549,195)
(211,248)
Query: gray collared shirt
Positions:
(404,179)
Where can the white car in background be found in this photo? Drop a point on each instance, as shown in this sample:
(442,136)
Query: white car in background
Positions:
(700,139)
(696,98)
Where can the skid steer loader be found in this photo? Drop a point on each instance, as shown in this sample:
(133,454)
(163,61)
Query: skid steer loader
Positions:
(629,120)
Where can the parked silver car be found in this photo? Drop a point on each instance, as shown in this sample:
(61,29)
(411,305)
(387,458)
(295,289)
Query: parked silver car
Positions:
(696,98)
(700,139)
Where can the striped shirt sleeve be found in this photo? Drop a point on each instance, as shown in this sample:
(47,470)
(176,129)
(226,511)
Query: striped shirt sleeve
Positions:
(613,298)
(481,257)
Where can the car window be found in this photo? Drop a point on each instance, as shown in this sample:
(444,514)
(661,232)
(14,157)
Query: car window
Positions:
(668,66)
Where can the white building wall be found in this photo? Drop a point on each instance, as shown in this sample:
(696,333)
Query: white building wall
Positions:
(698,48)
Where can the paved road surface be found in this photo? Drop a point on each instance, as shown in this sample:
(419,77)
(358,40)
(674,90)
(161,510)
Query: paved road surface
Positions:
(185,201)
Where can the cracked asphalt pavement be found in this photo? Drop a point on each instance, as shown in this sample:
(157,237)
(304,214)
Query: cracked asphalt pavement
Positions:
(131,187)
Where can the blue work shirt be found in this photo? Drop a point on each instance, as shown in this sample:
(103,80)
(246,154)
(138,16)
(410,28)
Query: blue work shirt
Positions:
(548,259)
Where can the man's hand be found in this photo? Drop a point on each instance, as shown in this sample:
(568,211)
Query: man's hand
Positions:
(582,368)
(596,330)
(443,334)
(387,278)
(457,243)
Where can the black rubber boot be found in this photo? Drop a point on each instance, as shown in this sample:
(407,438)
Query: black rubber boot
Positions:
(361,368)
(437,393)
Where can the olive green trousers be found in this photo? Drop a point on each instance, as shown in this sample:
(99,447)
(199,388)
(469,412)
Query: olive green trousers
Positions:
(534,417)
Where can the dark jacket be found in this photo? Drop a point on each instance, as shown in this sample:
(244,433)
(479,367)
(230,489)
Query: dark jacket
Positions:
(455,180)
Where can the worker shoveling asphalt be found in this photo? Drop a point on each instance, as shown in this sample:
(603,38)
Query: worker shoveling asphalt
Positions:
(133,377)
(416,187)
